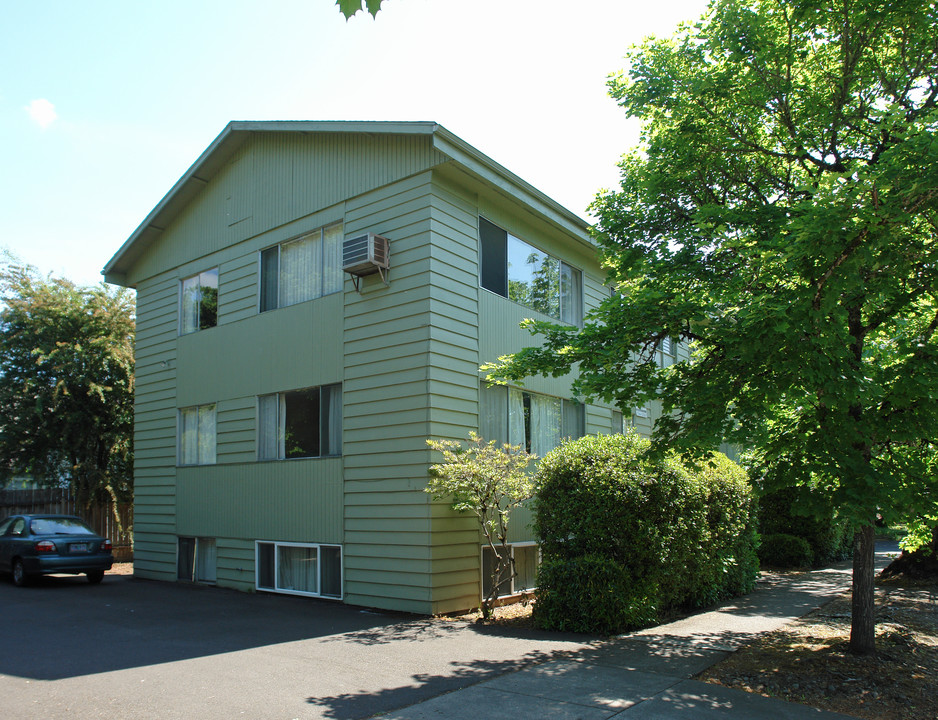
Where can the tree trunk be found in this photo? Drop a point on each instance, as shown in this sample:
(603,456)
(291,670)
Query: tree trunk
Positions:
(863,624)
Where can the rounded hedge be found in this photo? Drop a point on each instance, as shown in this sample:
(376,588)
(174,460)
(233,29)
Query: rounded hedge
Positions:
(671,535)
(826,534)
(781,550)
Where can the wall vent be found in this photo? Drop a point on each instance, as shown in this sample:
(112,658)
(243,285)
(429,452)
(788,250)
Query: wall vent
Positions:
(366,255)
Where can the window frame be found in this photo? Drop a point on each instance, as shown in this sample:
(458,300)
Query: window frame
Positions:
(338,226)
(526,396)
(325,429)
(182,302)
(319,567)
(197,560)
(180,435)
(501,276)
(513,590)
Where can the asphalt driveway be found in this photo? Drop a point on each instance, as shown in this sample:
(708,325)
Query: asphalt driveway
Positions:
(140,649)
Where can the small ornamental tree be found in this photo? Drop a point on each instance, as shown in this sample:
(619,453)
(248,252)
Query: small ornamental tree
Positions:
(488,481)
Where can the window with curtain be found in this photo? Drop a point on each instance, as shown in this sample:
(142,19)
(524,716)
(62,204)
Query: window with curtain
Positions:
(526,557)
(535,422)
(196,559)
(198,305)
(197,431)
(519,271)
(299,568)
(303,423)
(302,269)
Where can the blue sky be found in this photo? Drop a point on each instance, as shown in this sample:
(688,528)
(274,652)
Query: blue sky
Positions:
(105,104)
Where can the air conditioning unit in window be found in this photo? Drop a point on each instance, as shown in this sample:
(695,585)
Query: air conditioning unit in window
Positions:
(366,255)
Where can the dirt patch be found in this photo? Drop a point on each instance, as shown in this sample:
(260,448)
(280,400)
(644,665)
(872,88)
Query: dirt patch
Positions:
(807,661)
(121,569)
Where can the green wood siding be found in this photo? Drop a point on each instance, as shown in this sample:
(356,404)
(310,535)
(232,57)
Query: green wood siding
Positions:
(277,178)
(453,388)
(386,341)
(155,429)
(286,500)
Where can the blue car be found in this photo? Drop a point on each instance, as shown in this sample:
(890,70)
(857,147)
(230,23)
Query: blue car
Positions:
(32,545)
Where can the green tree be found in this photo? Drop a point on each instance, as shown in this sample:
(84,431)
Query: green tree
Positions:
(781,217)
(66,384)
(490,482)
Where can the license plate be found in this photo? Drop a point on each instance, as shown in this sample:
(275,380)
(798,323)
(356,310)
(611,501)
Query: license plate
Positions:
(78,548)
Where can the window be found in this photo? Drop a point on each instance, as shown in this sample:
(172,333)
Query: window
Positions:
(527,558)
(302,269)
(196,560)
(199,302)
(197,435)
(642,411)
(618,422)
(518,271)
(535,422)
(299,569)
(300,423)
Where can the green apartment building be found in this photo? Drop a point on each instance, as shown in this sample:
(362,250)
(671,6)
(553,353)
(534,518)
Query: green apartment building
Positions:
(314,301)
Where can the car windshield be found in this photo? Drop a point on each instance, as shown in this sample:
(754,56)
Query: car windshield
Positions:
(59,526)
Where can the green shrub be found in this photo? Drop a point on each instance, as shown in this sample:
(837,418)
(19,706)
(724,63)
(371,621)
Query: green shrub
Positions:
(782,550)
(684,535)
(824,532)
(593,594)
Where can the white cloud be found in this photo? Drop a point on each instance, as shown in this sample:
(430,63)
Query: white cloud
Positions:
(42,112)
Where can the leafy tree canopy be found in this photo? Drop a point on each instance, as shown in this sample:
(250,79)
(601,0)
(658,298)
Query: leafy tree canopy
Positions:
(350,7)
(781,217)
(66,384)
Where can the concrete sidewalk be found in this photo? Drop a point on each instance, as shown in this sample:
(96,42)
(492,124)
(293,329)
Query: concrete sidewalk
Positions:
(648,674)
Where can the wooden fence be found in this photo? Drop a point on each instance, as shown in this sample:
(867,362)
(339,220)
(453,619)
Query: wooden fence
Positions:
(100,517)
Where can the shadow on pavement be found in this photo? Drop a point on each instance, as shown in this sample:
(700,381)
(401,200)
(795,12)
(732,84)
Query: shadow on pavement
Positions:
(352,706)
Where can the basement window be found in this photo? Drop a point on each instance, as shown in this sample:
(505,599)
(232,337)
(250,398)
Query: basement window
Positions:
(299,568)
(527,558)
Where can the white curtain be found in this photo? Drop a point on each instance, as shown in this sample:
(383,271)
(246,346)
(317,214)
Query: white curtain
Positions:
(299,272)
(493,413)
(332,276)
(571,295)
(206,556)
(297,569)
(331,398)
(206,435)
(545,424)
(190,305)
(189,436)
(268,416)
(516,434)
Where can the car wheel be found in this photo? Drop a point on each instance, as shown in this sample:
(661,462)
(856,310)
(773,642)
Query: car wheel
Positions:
(20,578)
(95,576)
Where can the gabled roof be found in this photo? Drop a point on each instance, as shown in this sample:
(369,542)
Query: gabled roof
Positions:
(236,134)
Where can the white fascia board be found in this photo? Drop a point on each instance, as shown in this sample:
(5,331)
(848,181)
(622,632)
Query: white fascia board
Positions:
(484,167)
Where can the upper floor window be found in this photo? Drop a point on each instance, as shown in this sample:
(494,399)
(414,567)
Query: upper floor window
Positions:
(199,302)
(535,422)
(197,431)
(520,272)
(302,269)
(300,423)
